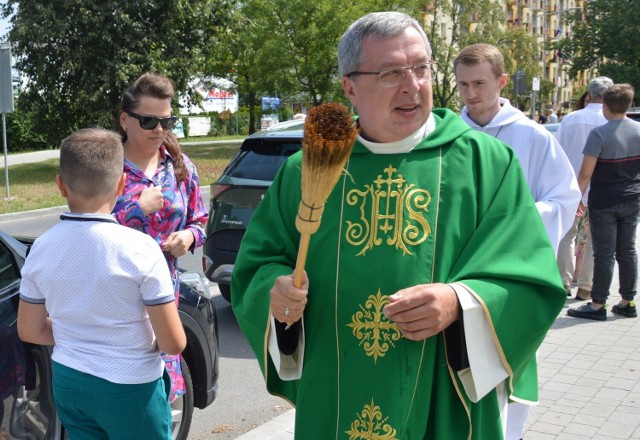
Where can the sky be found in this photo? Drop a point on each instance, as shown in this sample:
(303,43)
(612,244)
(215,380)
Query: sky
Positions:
(4,24)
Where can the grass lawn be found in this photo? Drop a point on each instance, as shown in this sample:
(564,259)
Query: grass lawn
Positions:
(32,185)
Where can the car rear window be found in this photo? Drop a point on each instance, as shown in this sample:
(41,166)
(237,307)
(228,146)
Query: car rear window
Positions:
(260,159)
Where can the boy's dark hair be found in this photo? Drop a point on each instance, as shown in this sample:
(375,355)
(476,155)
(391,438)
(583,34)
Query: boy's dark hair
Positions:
(91,162)
(618,98)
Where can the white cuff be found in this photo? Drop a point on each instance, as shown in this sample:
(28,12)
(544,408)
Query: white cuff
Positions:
(289,367)
(485,370)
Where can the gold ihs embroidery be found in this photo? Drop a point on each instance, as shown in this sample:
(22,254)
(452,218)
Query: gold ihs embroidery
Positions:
(370,425)
(389,208)
(372,328)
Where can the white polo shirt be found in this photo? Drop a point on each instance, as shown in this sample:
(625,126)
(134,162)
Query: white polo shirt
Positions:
(95,278)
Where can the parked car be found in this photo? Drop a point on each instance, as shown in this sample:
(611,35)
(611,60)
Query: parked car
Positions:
(553,128)
(27,410)
(633,113)
(238,192)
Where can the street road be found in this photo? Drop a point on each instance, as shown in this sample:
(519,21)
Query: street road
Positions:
(242,402)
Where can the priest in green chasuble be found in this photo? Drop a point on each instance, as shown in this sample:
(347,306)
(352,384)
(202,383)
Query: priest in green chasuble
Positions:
(431,281)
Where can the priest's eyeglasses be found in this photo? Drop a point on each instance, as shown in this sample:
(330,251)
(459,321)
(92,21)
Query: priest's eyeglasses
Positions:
(394,76)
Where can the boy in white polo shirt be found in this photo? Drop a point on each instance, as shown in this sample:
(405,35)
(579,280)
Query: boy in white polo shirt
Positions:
(101,293)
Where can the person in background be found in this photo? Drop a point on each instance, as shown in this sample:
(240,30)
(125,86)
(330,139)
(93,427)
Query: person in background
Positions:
(481,76)
(552,118)
(162,195)
(612,165)
(100,293)
(422,304)
(572,135)
(583,226)
(583,100)
(542,118)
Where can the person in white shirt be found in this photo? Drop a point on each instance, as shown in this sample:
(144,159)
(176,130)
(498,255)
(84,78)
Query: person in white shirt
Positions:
(572,135)
(102,295)
(481,76)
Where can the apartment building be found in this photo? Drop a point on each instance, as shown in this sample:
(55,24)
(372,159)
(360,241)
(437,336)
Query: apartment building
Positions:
(545,20)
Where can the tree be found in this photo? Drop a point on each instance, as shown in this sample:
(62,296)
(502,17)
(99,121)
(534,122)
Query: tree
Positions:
(467,22)
(79,55)
(604,36)
(235,60)
(289,52)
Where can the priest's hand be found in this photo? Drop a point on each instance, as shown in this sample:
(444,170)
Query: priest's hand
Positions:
(287,301)
(424,310)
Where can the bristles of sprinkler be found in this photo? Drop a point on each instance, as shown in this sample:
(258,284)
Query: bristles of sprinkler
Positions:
(329,135)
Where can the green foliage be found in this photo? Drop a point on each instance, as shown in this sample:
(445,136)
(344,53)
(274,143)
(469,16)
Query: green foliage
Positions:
(227,123)
(79,55)
(547,88)
(23,134)
(185,126)
(289,52)
(604,37)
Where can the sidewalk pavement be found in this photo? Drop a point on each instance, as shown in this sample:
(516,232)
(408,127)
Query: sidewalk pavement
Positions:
(589,379)
(37,156)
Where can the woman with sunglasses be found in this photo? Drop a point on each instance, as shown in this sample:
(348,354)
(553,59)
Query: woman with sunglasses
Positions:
(162,195)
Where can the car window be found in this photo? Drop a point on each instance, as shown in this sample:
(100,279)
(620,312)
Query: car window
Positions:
(8,271)
(260,159)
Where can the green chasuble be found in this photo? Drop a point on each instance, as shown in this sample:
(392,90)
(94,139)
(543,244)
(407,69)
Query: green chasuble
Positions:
(455,209)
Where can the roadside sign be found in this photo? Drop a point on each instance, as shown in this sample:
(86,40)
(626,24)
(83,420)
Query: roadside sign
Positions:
(536,84)
(6,84)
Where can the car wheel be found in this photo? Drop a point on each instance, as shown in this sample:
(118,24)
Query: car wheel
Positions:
(225,291)
(33,413)
(182,408)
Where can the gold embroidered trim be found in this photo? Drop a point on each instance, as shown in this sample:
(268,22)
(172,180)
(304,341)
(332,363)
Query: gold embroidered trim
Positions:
(374,330)
(335,317)
(433,268)
(390,208)
(371,425)
(456,386)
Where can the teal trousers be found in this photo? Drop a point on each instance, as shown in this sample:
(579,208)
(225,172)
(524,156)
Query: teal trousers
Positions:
(93,408)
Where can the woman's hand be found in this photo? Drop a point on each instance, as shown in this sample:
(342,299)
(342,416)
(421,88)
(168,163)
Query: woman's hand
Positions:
(178,243)
(151,199)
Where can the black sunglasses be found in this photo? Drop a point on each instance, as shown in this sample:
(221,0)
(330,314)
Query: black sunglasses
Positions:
(151,122)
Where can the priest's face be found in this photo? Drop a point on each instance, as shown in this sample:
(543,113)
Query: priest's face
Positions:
(480,88)
(391,108)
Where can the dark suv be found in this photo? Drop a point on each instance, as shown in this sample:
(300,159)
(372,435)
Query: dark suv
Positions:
(237,193)
(27,410)
(634,113)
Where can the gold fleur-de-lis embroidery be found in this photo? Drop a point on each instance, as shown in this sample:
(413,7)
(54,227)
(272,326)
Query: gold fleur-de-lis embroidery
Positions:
(370,425)
(374,330)
(389,208)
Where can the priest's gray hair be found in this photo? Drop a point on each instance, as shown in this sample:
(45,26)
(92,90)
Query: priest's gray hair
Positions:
(378,25)
(598,85)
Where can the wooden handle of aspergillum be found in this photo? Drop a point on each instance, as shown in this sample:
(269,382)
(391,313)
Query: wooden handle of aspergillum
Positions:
(298,272)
